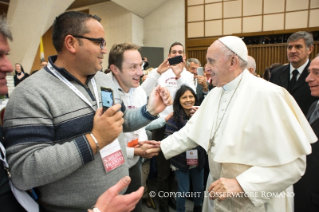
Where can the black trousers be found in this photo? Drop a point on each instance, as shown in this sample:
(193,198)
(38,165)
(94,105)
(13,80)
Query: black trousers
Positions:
(8,203)
(136,183)
(165,176)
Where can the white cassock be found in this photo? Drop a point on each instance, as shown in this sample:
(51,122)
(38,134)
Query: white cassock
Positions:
(262,140)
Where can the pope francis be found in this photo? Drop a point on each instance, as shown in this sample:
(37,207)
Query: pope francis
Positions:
(255,135)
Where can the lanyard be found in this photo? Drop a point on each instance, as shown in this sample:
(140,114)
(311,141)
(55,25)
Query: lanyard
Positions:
(74,89)
(3,159)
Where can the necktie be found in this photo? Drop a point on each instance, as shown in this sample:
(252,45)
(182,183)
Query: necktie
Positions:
(293,79)
(314,115)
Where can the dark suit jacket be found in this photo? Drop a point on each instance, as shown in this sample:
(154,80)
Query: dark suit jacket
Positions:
(307,188)
(200,94)
(301,90)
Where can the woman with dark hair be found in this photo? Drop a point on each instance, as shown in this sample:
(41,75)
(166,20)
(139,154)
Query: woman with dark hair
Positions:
(20,75)
(190,163)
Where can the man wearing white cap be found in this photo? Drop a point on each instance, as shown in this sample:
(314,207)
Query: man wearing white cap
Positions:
(244,155)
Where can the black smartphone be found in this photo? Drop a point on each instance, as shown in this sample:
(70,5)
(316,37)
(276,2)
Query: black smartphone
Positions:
(175,60)
(107,98)
(200,71)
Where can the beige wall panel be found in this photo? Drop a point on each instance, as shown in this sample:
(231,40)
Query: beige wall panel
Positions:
(314,4)
(163,30)
(296,20)
(252,7)
(274,6)
(213,28)
(314,20)
(252,24)
(196,13)
(292,5)
(195,29)
(212,1)
(273,22)
(195,2)
(213,11)
(232,26)
(232,9)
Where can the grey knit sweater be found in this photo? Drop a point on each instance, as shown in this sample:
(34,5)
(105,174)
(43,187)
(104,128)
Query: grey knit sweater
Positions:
(44,128)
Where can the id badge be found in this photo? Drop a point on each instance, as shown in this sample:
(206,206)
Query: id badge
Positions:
(192,157)
(112,156)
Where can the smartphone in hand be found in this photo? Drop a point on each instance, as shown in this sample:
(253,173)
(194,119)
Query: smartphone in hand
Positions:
(200,71)
(175,60)
(107,98)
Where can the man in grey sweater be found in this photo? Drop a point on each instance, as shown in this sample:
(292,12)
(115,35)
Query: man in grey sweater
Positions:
(54,124)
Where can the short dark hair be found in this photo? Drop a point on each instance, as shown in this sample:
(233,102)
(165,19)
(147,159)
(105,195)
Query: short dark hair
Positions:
(69,23)
(175,44)
(301,34)
(177,107)
(117,51)
(4,28)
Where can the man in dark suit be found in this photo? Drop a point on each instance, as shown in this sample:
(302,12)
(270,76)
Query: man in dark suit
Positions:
(200,81)
(307,188)
(292,76)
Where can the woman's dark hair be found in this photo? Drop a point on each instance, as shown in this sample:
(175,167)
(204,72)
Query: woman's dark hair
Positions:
(177,107)
(22,70)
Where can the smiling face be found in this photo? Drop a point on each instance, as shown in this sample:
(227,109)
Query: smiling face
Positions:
(298,53)
(89,53)
(217,65)
(131,71)
(193,68)
(177,50)
(5,65)
(187,101)
(313,77)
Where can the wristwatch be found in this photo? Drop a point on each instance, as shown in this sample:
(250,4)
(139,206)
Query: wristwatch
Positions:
(95,209)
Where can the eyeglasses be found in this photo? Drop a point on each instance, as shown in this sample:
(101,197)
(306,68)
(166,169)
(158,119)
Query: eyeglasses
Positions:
(95,40)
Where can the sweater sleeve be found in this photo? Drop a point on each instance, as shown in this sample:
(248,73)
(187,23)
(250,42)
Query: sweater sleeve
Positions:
(33,154)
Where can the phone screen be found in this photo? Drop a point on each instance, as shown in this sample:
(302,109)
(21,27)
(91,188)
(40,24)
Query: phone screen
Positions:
(200,71)
(107,98)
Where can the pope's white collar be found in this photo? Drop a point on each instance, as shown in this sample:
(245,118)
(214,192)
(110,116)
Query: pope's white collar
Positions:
(233,84)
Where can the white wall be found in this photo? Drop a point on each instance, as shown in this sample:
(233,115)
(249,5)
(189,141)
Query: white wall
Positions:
(137,30)
(117,23)
(165,25)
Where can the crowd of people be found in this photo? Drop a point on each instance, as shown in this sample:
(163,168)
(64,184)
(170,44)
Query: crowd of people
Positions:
(238,142)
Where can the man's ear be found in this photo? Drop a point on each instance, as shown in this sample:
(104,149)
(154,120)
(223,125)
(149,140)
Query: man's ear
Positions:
(234,62)
(114,69)
(70,43)
(184,57)
(310,49)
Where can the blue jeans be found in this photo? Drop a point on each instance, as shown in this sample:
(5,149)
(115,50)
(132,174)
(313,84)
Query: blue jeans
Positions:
(183,187)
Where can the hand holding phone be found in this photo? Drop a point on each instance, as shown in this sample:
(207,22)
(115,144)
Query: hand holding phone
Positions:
(200,71)
(107,98)
(175,60)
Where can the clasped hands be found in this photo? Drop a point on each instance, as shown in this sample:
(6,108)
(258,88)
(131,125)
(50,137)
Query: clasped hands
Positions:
(147,149)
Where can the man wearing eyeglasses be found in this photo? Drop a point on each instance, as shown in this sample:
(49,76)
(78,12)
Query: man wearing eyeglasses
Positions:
(58,139)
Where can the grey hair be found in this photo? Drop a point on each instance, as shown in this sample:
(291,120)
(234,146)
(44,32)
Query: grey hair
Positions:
(226,52)
(301,34)
(251,63)
(192,60)
(4,28)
